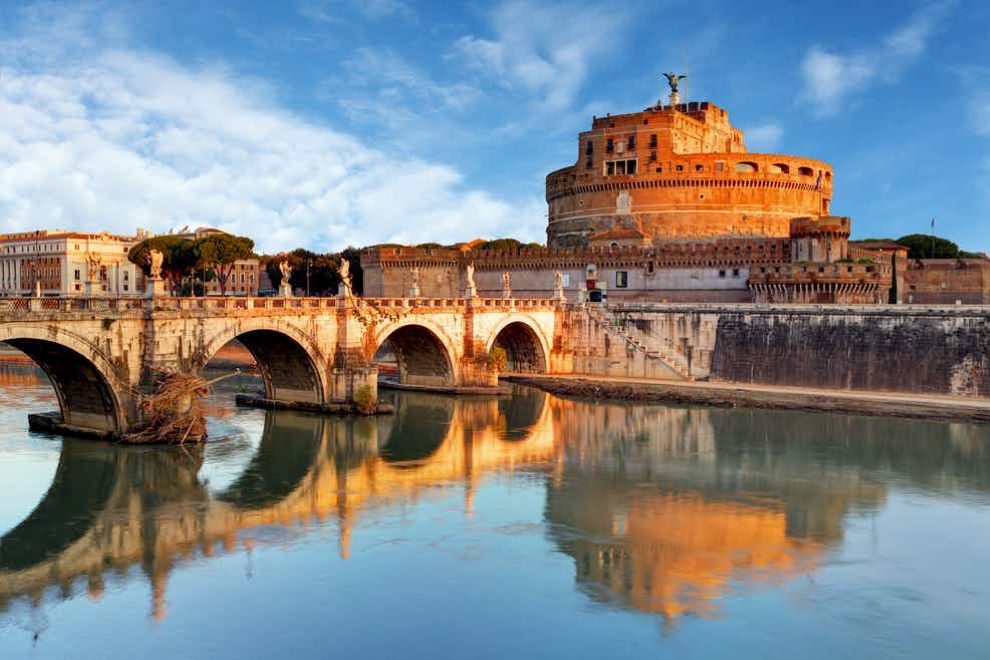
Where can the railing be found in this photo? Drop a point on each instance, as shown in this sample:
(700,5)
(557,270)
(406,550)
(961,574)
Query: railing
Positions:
(49,305)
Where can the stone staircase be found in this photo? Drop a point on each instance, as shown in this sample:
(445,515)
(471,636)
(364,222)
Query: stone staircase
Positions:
(653,348)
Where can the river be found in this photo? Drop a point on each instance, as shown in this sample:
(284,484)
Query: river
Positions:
(524,526)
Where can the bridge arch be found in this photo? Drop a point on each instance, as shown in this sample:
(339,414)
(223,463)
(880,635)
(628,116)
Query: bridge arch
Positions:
(291,365)
(424,352)
(524,343)
(85,380)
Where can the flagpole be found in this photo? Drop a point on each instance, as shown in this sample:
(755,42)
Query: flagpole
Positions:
(933,237)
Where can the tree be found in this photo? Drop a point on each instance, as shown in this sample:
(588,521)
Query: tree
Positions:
(178,262)
(920,247)
(500,244)
(220,251)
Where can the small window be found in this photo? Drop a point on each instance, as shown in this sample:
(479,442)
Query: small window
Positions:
(621,279)
(610,168)
(649,266)
(589,147)
(609,145)
(653,156)
(659,170)
(680,168)
(77,273)
(631,143)
(699,168)
(721,273)
(653,141)
(735,272)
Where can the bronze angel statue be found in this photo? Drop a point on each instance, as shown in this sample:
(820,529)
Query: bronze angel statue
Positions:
(673,79)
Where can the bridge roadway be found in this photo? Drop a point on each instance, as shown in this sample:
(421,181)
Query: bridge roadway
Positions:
(102,353)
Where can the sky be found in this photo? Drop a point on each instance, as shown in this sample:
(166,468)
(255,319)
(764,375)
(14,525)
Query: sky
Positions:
(327,123)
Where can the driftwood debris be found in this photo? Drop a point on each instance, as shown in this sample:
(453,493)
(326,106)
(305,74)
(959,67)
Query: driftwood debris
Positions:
(174,414)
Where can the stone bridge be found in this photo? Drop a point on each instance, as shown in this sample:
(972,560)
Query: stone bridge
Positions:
(101,354)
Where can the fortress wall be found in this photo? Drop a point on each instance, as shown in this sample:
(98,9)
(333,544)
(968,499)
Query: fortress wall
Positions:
(906,348)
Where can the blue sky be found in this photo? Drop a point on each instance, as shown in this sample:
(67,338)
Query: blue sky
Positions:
(324,123)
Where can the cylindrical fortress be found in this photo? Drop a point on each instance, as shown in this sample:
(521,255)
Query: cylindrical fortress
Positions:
(677,173)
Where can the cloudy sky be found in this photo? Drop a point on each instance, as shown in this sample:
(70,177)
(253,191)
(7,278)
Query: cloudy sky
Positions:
(324,123)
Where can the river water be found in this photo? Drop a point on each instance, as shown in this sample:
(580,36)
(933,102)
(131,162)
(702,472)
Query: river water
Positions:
(526,526)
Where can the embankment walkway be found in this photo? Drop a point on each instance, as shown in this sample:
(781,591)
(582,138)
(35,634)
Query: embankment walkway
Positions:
(751,395)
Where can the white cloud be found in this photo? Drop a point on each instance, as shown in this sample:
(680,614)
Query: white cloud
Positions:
(544,50)
(830,78)
(765,138)
(329,11)
(125,139)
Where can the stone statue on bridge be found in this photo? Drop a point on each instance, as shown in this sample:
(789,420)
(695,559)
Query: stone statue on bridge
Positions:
(558,286)
(414,282)
(155,259)
(346,289)
(285,289)
(506,284)
(470,290)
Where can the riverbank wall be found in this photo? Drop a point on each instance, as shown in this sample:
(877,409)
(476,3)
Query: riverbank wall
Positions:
(903,348)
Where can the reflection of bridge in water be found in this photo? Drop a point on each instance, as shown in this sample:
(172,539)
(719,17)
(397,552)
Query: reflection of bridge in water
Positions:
(662,509)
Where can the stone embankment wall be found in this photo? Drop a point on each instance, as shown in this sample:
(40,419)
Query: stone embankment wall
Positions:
(943,350)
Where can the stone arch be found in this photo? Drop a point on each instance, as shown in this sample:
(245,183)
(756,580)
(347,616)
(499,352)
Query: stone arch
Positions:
(424,353)
(86,382)
(292,367)
(527,349)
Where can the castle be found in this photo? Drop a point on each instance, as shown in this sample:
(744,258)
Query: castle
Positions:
(667,204)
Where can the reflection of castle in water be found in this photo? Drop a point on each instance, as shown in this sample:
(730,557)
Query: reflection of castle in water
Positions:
(661,508)
(666,520)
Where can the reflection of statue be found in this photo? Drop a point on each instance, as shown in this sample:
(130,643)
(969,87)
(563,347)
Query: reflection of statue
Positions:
(155,259)
(470,290)
(346,285)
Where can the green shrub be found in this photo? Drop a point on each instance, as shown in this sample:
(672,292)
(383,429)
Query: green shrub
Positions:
(365,400)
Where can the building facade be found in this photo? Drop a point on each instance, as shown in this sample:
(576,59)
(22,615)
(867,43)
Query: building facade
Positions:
(62,263)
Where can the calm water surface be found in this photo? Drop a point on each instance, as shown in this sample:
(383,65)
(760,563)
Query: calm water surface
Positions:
(525,526)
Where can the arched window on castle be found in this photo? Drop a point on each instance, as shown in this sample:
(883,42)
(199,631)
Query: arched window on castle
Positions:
(805,171)
(746,166)
(780,168)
